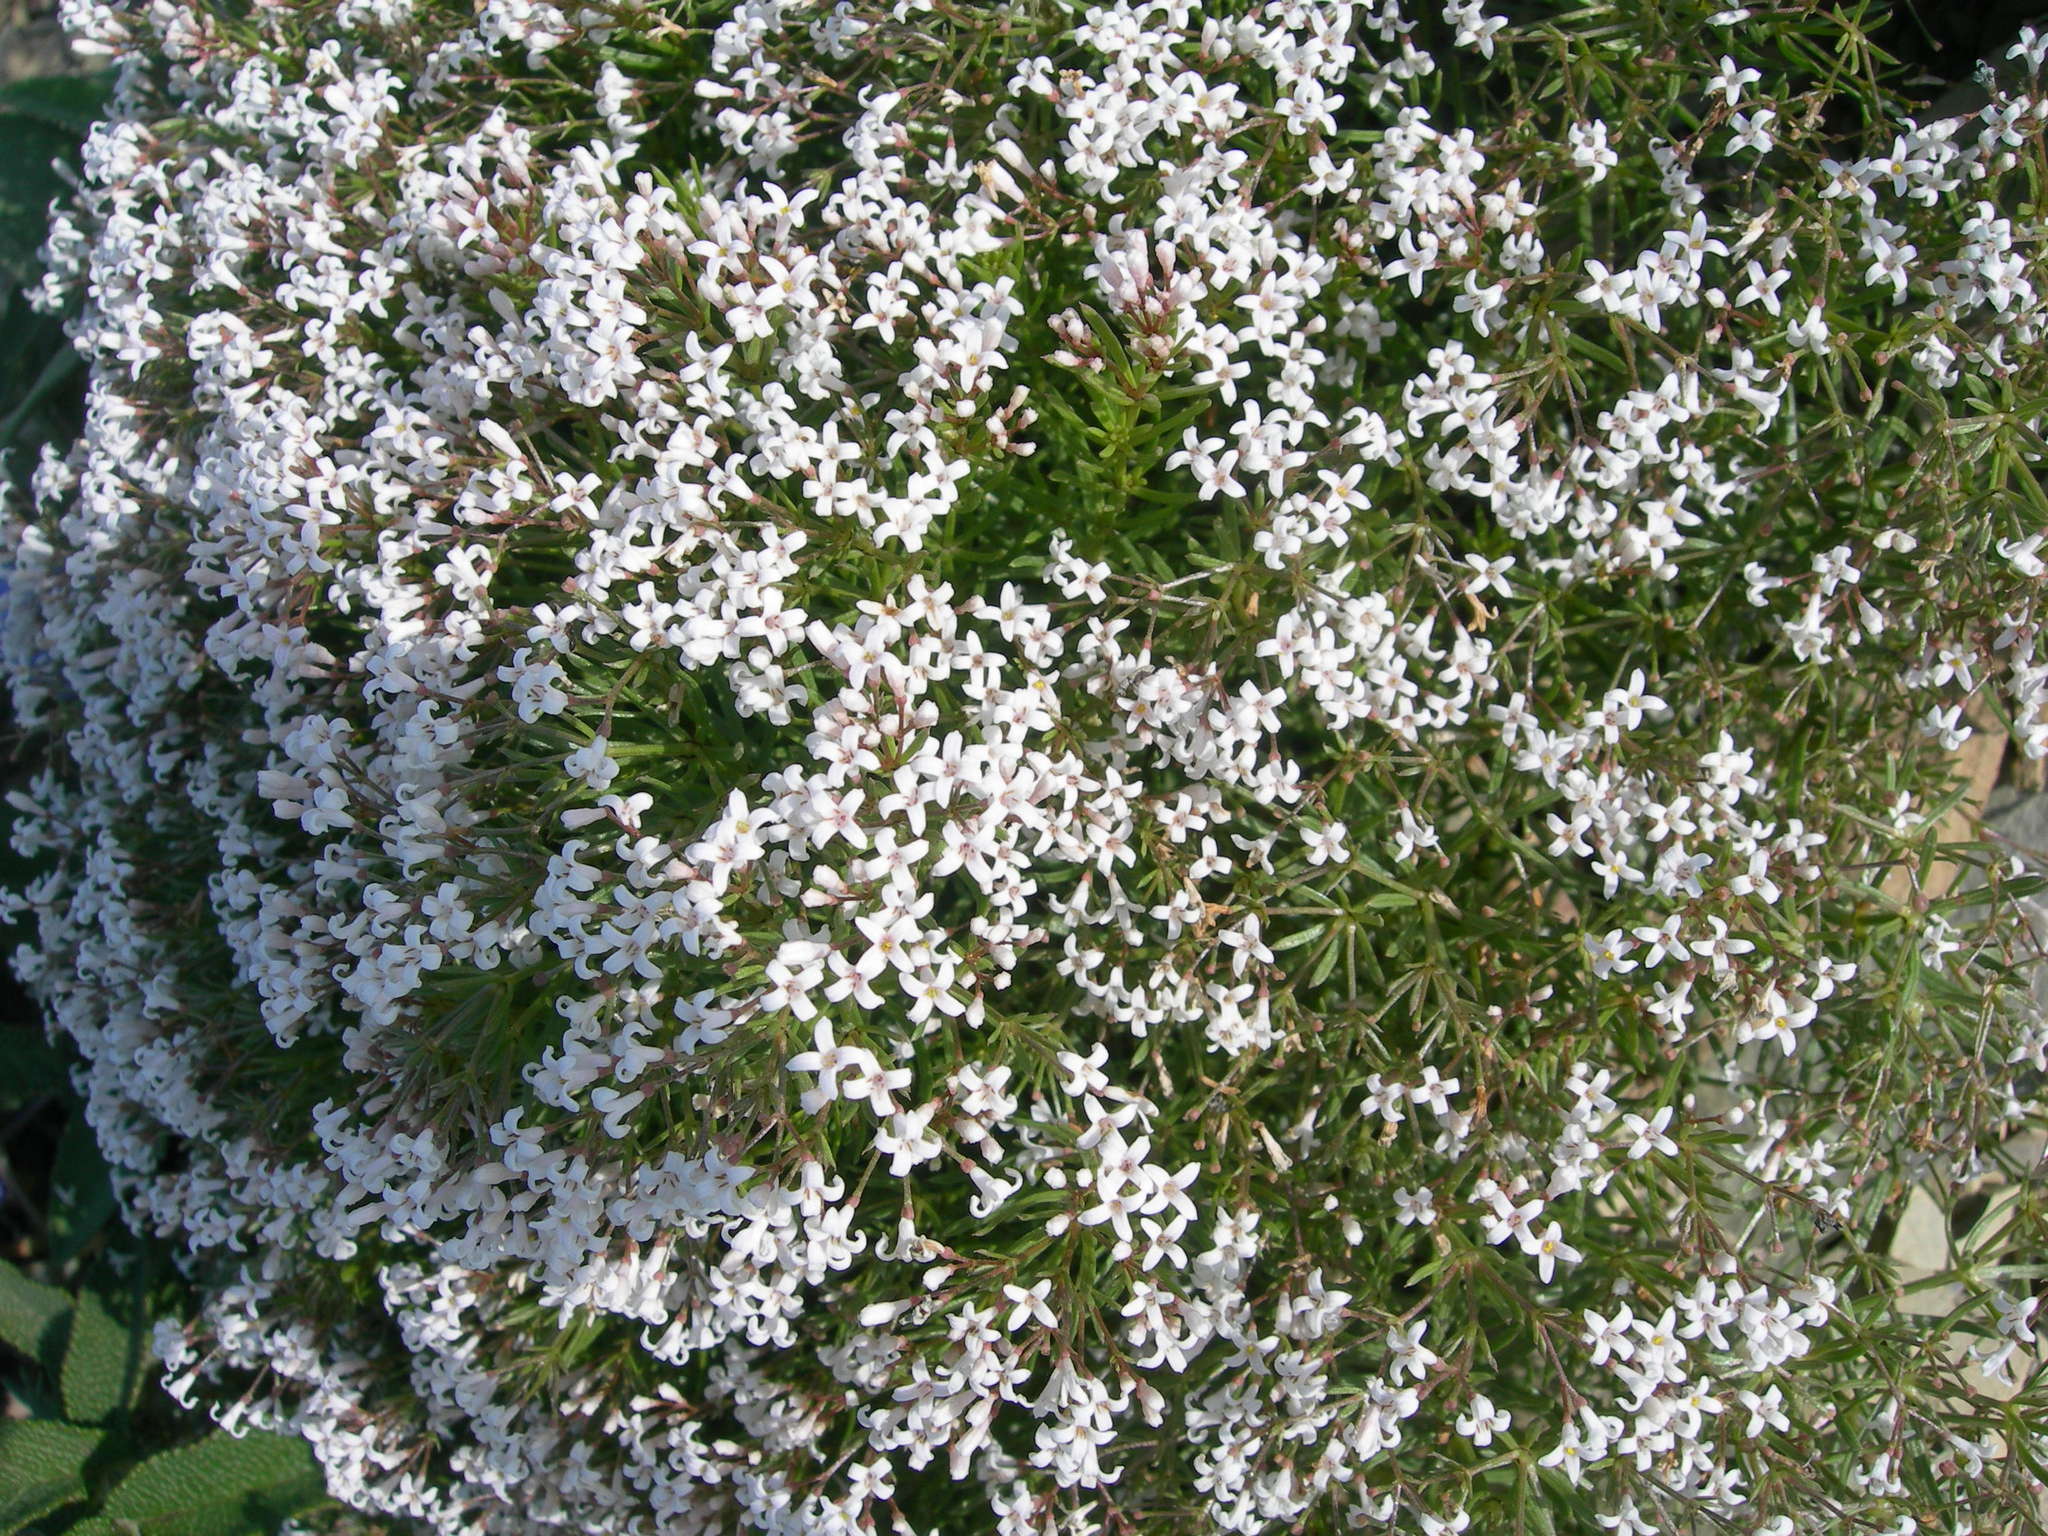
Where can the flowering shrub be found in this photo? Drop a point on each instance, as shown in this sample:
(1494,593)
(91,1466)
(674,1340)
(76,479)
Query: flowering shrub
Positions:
(976,768)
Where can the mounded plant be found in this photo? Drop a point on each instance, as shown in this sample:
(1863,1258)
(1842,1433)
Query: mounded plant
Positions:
(996,768)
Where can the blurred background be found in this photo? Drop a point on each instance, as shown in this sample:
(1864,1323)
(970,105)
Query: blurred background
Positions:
(32,41)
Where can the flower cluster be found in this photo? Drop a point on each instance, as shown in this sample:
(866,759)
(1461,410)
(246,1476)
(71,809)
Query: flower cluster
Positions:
(1006,768)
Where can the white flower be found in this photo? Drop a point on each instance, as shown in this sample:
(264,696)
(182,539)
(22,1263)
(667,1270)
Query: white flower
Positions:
(1730,80)
(1647,1136)
(1590,150)
(1326,844)
(828,1060)
(1611,291)
(1810,332)
(1752,132)
(1490,575)
(1549,1249)
(1766,1410)
(1434,1091)
(1609,953)
(1030,1305)
(1946,726)
(1411,836)
(1763,287)
(1482,1421)
(1569,1455)
(1415,1206)
(1409,1355)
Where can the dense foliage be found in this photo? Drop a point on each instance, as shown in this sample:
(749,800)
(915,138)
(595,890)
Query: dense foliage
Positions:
(992,768)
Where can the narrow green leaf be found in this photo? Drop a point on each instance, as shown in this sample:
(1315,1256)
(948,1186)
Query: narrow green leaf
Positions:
(1112,345)
(1325,963)
(1299,937)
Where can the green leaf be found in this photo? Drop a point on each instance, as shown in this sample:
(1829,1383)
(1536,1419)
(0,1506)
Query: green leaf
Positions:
(1326,961)
(32,1315)
(42,1467)
(101,1363)
(1299,937)
(81,1195)
(220,1486)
